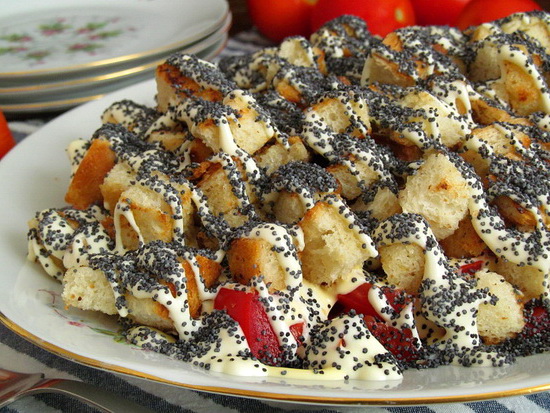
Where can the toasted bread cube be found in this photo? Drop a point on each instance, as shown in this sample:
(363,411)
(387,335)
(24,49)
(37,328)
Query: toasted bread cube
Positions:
(523,93)
(174,86)
(221,200)
(503,320)
(530,280)
(439,193)
(297,51)
(464,242)
(209,271)
(89,289)
(383,70)
(271,157)
(384,205)
(84,189)
(514,213)
(451,128)
(332,250)
(134,117)
(249,129)
(350,183)
(403,265)
(249,258)
(152,216)
(289,207)
(119,178)
(336,113)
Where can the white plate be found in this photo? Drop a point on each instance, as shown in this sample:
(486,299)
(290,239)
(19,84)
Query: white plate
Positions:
(66,87)
(58,102)
(60,36)
(35,175)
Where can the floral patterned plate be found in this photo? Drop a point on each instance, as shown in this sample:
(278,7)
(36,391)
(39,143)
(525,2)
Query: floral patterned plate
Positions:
(62,36)
(55,102)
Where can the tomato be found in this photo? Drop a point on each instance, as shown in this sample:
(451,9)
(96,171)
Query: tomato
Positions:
(6,138)
(440,13)
(382,17)
(277,19)
(482,11)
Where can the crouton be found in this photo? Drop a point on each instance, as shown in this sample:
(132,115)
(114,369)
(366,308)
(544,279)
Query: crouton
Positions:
(439,193)
(331,248)
(84,189)
(503,320)
(403,265)
(249,258)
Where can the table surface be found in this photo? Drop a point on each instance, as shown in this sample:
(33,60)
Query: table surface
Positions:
(18,354)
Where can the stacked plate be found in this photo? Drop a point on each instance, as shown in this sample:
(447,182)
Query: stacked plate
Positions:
(57,54)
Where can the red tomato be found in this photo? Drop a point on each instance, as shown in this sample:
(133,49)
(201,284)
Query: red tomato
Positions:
(482,11)
(6,139)
(382,17)
(440,12)
(277,19)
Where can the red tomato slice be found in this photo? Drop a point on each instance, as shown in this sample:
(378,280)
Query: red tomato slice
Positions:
(246,309)
(382,17)
(6,138)
(481,11)
(439,13)
(277,19)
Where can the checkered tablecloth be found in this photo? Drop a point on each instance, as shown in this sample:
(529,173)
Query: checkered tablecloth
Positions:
(18,354)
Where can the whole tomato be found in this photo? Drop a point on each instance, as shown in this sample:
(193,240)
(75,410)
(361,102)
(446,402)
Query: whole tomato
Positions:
(481,11)
(6,139)
(277,19)
(440,12)
(382,17)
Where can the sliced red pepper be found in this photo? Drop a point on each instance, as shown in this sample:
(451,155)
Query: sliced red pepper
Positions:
(297,331)
(471,268)
(400,343)
(537,320)
(246,309)
(358,300)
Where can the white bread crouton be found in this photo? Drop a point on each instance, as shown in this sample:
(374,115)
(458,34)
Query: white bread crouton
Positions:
(331,248)
(384,205)
(271,157)
(528,279)
(403,265)
(252,257)
(439,193)
(504,319)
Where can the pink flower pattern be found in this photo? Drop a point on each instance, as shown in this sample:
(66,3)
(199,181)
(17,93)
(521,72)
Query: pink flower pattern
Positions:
(88,37)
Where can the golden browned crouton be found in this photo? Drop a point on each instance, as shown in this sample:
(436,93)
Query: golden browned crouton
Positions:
(84,189)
